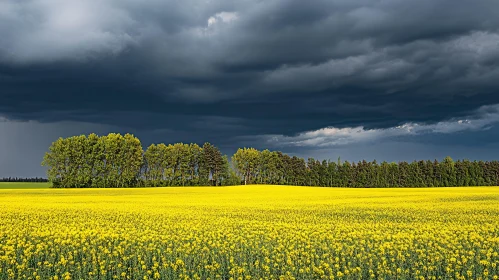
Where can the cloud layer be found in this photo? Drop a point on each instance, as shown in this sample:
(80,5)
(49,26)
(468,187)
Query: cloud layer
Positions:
(225,71)
(483,119)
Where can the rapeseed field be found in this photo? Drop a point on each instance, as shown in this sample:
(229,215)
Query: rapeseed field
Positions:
(250,232)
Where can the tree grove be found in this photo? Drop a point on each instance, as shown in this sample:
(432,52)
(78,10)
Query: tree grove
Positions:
(117,161)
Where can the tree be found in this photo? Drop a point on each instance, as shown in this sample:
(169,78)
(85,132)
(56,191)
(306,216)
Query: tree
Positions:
(56,160)
(213,163)
(195,157)
(246,162)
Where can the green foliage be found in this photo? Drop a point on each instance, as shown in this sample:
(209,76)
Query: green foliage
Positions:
(247,161)
(213,165)
(268,167)
(183,165)
(118,161)
(108,161)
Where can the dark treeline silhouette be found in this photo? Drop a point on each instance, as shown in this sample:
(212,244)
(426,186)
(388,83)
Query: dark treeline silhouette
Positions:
(278,168)
(27,180)
(119,161)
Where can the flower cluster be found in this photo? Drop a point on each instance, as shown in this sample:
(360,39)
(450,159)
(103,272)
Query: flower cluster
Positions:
(254,232)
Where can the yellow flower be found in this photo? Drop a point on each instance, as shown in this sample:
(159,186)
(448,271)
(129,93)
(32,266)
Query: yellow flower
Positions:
(253,232)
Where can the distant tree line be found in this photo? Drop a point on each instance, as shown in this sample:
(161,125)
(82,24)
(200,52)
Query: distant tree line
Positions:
(27,180)
(119,161)
(266,167)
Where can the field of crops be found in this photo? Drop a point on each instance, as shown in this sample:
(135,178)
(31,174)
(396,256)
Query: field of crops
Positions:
(253,232)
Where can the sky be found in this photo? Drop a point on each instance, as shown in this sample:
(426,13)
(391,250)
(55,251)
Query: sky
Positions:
(357,79)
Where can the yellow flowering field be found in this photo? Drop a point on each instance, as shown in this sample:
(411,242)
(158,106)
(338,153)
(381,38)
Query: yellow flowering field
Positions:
(249,232)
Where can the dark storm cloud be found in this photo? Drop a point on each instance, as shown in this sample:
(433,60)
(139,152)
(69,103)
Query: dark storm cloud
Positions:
(222,70)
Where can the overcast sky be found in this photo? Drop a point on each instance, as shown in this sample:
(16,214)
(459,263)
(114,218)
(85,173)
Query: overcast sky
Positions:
(373,79)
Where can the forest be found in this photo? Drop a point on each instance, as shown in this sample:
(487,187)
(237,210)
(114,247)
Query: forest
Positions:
(23,180)
(118,161)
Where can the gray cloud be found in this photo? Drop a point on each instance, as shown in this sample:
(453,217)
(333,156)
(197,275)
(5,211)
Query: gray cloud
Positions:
(226,71)
(47,31)
(484,118)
